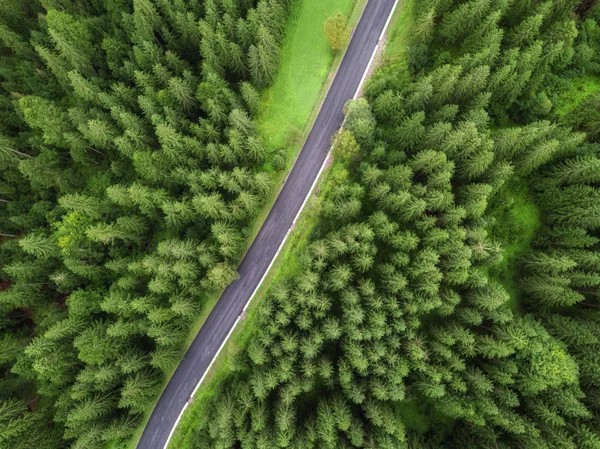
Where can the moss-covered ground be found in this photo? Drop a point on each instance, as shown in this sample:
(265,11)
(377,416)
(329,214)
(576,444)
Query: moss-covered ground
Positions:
(515,220)
(579,89)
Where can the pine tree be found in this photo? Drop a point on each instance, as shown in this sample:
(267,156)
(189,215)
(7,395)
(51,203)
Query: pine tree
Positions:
(580,170)
(72,39)
(138,390)
(411,130)
(424,27)
(251,97)
(82,204)
(463,20)
(39,245)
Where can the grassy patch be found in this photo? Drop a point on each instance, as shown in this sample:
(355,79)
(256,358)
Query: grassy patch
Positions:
(294,100)
(398,33)
(515,220)
(579,89)
(306,60)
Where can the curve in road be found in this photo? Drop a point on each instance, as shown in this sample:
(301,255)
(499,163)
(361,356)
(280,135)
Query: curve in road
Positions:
(257,260)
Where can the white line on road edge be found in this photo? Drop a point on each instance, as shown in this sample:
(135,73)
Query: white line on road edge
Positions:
(215,357)
(289,230)
(388,20)
(280,246)
(364,77)
(199,383)
(287,234)
(176,423)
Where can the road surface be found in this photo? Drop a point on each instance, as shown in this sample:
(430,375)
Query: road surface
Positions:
(264,248)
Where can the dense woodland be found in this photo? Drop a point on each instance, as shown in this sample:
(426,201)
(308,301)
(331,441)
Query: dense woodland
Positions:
(449,297)
(130,173)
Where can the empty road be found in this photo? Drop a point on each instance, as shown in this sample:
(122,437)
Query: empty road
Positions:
(256,261)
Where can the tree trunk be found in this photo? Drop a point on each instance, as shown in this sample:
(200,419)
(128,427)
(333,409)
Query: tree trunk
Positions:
(19,153)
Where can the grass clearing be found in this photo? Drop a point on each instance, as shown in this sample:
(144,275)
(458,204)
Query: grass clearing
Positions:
(516,219)
(398,34)
(306,61)
(283,109)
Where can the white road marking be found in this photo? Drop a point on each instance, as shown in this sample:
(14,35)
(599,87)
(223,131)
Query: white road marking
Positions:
(176,423)
(200,383)
(364,77)
(216,355)
(387,23)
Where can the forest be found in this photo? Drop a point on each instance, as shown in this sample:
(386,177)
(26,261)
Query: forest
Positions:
(447,298)
(130,172)
(448,295)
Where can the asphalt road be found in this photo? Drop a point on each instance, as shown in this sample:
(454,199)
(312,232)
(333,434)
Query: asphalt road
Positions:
(256,261)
